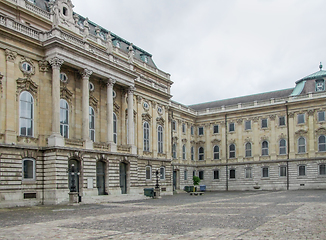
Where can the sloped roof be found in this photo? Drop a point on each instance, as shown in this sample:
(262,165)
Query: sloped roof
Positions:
(243,99)
(319,74)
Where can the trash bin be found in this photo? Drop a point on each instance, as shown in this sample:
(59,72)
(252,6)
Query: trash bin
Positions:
(187,188)
(202,188)
(149,192)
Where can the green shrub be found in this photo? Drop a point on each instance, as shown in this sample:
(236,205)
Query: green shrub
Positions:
(196,180)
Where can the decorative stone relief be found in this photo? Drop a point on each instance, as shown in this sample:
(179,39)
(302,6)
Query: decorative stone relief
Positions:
(291,114)
(27,67)
(93,102)
(184,140)
(29,154)
(76,155)
(311,112)
(216,141)
(10,55)
(65,93)
(146,117)
(56,62)
(116,108)
(272,117)
(43,66)
(239,121)
(160,121)
(86,73)
(301,132)
(320,131)
(26,84)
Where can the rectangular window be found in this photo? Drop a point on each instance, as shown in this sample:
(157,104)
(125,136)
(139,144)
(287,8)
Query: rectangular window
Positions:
(174,127)
(200,130)
(162,173)
(215,128)
(264,123)
(281,121)
(265,172)
(148,173)
(301,118)
(183,128)
(192,130)
(194,173)
(201,175)
(247,125)
(321,116)
(302,170)
(231,127)
(322,169)
(216,174)
(185,175)
(282,171)
(232,173)
(248,173)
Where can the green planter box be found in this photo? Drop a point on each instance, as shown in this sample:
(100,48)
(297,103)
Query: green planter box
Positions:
(149,192)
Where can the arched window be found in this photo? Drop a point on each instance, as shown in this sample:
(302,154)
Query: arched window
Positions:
(301,145)
(282,146)
(264,148)
(192,153)
(321,143)
(216,152)
(26,113)
(184,151)
(232,151)
(160,139)
(248,149)
(200,153)
(91,124)
(146,136)
(174,150)
(28,169)
(115,134)
(64,118)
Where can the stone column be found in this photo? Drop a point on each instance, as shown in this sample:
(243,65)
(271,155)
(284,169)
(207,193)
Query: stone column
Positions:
(291,140)
(131,140)
(240,146)
(56,139)
(110,84)
(311,139)
(10,101)
(273,143)
(86,73)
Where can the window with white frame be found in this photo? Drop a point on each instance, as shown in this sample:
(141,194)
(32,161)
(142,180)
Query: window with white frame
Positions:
(183,128)
(231,127)
(301,118)
(281,121)
(148,172)
(200,153)
(248,172)
(64,118)
(184,151)
(322,169)
(146,136)
(322,143)
(282,171)
(162,173)
(201,175)
(302,170)
(91,124)
(321,116)
(232,174)
(248,149)
(264,123)
(248,125)
(282,147)
(174,151)
(160,139)
(320,85)
(192,153)
(185,175)
(216,152)
(301,145)
(200,131)
(115,132)
(216,174)
(28,169)
(232,151)
(26,114)
(192,130)
(264,148)
(265,172)
(215,129)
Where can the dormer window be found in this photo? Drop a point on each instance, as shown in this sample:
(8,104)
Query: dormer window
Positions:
(320,85)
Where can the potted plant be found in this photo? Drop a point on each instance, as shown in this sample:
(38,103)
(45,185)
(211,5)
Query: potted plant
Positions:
(196,181)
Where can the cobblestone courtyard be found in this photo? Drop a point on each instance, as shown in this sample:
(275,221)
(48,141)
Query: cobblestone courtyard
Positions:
(218,215)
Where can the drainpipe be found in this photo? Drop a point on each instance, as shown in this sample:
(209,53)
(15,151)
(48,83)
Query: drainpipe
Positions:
(288,146)
(226,154)
(172,151)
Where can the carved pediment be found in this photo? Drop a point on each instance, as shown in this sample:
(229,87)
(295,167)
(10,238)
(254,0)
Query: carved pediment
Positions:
(184,140)
(26,84)
(116,107)
(160,121)
(200,142)
(321,130)
(175,139)
(93,102)
(216,141)
(146,117)
(65,93)
(301,132)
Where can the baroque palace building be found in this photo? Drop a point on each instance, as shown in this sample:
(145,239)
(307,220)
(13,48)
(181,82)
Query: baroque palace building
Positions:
(85,111)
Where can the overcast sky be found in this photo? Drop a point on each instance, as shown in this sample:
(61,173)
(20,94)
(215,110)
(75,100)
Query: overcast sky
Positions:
(217,49)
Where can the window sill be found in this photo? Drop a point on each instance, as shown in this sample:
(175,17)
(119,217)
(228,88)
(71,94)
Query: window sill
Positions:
(265,178)
(29,181)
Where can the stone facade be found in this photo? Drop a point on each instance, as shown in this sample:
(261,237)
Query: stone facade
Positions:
(84,111)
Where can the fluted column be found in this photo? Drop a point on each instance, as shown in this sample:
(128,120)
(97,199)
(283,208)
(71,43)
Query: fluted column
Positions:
(86,73)
(110,84)
(56,139)
(131,140)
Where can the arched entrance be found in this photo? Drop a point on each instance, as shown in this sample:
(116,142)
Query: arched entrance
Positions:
(73,175)
(100,177)
(123,177)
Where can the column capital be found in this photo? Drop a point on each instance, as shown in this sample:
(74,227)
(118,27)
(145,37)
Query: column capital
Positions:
(86,73)
(131,90)
(56,62)
(111,82)
(10,55)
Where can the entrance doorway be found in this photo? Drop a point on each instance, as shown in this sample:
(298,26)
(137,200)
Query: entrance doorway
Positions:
(73,175)
(123,178)
(100,177)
